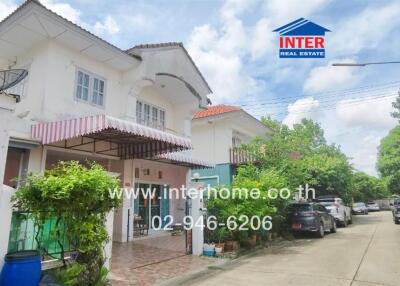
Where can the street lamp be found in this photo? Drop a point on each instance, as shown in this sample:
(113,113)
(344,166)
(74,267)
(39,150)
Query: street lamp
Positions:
(361,64)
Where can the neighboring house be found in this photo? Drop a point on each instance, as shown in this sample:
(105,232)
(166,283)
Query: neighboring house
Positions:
(87,99)
(216,134)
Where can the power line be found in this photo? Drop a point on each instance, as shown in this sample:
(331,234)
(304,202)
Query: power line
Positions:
(330,106)
(261,106)
(287,100)
(344,92)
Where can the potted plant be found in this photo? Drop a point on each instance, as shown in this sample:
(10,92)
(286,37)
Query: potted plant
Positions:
(208,249)
(221,234)
(208,246)
(231,244)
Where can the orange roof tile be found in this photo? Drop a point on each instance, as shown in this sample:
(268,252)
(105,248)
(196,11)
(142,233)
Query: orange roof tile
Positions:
(215,110)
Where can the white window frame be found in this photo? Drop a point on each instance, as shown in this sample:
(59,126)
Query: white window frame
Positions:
(159,124)
(92,77)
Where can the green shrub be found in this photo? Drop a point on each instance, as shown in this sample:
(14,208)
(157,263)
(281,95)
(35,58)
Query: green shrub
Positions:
(79,198)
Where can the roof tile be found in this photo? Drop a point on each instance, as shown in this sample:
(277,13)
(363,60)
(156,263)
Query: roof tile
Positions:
(215,110)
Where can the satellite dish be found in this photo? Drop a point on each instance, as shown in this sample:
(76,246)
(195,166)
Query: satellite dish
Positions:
(10,78)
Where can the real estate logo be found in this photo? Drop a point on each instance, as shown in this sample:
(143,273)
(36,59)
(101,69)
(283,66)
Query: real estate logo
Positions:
(301,39)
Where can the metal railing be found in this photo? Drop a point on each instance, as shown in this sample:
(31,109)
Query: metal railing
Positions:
(25,234)
(239,156)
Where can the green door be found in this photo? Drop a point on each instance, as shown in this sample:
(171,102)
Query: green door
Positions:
(164,210)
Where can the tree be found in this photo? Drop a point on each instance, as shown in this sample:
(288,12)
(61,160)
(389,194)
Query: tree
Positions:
(396,106)
(367,188)
(389,160)
(328,171)
(303,156)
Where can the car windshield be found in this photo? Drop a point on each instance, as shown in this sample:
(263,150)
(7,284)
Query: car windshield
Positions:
(300,208)
(327,203)
(359,204)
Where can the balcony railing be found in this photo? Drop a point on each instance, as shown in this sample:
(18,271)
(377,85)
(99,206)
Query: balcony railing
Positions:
(239,156)
(151,123)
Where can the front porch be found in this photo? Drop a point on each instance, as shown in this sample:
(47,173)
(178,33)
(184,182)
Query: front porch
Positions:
(153,259)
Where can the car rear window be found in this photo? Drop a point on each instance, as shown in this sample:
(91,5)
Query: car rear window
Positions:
(300,208)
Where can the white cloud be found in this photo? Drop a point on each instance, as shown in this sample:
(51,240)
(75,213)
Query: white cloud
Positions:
(109,26)
(220,52)
(364,157)
(307,107)
(373,113)
(285,12)
(106,27)
(365,30)
(323,78)
(357,125)
(262,40)
(64,9)
(6,8)
(222,69)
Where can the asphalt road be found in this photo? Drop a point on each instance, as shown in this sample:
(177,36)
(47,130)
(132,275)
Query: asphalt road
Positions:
(366,253)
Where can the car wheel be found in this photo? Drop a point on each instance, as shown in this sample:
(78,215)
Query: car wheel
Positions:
(321,231)
(333,228)
(344,222)
(397,222)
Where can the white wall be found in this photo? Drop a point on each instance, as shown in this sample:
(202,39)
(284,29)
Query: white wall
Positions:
(212,136)
(8,122)
(50,92)
(212,141)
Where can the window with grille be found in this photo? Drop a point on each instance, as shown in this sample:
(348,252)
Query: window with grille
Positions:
(150,115)
(90,88)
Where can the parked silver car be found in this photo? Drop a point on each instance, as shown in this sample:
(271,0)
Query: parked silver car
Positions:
(373,207)
(360,208)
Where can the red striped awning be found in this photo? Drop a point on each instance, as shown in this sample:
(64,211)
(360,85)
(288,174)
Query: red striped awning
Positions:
(132,138)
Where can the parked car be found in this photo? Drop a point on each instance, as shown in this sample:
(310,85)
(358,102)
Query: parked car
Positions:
(360,208)
(310,217)
(335,205)
(373,207)
(396,211)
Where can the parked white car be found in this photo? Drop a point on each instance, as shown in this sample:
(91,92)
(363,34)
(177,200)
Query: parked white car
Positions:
(360,208)
(373,207)
(338,210)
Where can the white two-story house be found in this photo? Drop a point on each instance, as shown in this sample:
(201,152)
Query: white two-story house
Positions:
(217,133)
(86,99)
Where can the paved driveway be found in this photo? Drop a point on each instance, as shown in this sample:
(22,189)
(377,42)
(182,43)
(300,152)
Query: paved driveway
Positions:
(366,253)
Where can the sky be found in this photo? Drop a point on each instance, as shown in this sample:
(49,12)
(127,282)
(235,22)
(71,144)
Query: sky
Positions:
(233,45)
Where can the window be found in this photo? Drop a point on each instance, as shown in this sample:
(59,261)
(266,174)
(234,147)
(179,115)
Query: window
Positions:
(90,88)
(139,108)
(154,115)
(98,91)
(236,142)
(150,115)
(146,114)
(162,118)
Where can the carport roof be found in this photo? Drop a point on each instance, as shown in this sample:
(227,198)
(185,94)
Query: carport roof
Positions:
(131,140)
